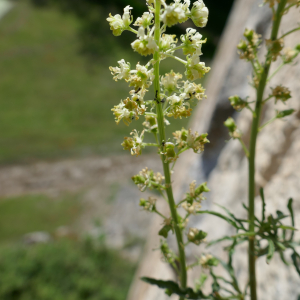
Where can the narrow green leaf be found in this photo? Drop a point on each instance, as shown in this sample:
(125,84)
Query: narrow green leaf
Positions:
(219,240)
(290,208)
(231,222)
(231,215)
(296,261)
(280,245)
(270,251)
(173,288)
(263,217)
(283,258)
(287,227)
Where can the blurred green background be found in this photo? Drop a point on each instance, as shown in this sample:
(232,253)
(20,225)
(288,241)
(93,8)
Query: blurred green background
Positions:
(56,95)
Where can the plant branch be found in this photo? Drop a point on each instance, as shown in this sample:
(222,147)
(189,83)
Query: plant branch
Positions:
(254,132)
(162,139)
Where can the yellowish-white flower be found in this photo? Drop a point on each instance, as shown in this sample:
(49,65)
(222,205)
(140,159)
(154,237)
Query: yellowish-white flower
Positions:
(204,259)
(194,68)
(199,13)
(192,42)
(193,90)
(141,77)
(137,147)
(145,44)
(170,81)
(128,110)
(178,107)
(176,12)
(167,42)
(118,24)
(192,209)
(138,95)
(144,21)
(122,72)
(147,178)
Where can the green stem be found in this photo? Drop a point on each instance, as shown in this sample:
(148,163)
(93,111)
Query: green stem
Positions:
(270,121)
(281,65)
(244,147)
(162,139)
(176,58)
(150,144)
(174,49)
(254,131)
(289,32)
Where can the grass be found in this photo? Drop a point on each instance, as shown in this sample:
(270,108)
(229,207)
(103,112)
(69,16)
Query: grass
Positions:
(64,271)
(28,213)
(51,103)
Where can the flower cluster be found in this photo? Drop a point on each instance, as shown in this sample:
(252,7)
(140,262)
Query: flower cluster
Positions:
(128,110)
(289,54)
(185,139)
(196,236)
(148,179)
(248,49)
(118,24)
(193,199)
(237,103)
(207,261)
(149,204)
(281,93)
(134,143)
(274,48)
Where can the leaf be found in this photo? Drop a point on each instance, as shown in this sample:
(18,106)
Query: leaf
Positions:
(165,230)
(220,240)
(231,215)
(290,208)
(270,251)
(287,227)
(231,222)
(294,256)
(263,217)
(283,258)
(173,288)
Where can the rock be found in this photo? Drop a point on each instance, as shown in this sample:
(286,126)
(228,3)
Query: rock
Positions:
(39,237)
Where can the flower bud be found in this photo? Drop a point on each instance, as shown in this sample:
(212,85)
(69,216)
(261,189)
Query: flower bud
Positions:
(199,13)
(284,113)
(233,132)
(208,260)
(196,236)
(237,102)
(169,152)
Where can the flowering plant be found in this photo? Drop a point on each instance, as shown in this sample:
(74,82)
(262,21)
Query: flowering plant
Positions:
(173,98)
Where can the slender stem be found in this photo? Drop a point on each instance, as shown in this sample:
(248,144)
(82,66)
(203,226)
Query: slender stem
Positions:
(150,114)
(244,147)
(280,66)
(289,32)
(174,49)
(132,30)
(267,99)
(162,139)
(289,6)
(150,144)
(254,131)
(160,214)
(270,121)
(177,58)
